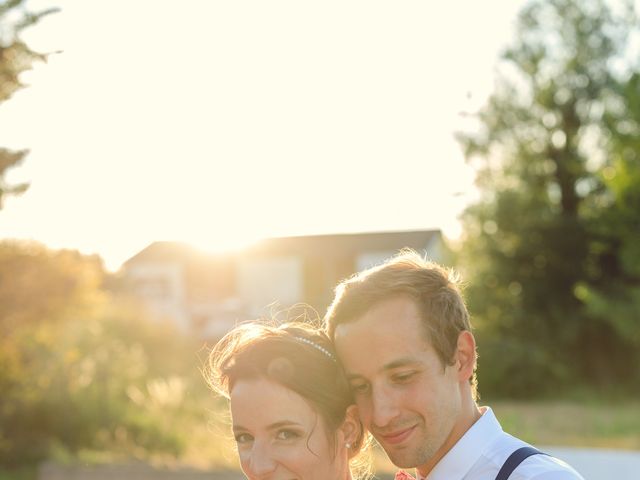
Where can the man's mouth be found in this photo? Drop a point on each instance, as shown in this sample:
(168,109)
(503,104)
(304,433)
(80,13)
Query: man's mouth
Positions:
(397,436)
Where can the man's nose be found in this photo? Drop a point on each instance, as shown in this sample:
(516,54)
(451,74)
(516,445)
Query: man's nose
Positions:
(259,462)
(384,407)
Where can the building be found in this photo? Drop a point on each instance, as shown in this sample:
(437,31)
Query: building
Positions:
(206,295)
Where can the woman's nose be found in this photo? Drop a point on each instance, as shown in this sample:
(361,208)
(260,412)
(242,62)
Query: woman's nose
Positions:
(259,462)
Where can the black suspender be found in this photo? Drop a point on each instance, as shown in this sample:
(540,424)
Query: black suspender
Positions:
(515,459)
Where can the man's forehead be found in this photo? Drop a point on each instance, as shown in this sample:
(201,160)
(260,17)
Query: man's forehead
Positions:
(375,354)
(359,332)
(343,329)
(392,364)
(396,314)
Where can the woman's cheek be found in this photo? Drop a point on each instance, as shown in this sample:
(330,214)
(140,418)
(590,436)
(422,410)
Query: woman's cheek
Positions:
(244,455)
(294,457)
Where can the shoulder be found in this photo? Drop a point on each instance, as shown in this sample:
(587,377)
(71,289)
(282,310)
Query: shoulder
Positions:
(545,467)
(499,447)
(535,467)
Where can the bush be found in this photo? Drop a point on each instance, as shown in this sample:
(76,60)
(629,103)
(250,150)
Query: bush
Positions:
(84,370)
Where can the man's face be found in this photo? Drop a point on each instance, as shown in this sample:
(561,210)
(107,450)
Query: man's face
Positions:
(409,401)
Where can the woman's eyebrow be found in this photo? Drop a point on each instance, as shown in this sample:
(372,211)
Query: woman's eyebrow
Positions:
(283,423)
(273,426)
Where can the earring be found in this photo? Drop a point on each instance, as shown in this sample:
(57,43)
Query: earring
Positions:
(348,445)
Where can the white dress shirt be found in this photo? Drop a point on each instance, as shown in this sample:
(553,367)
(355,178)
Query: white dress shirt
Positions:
(484,448)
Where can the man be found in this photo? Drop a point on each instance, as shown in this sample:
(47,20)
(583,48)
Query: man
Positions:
(403,334)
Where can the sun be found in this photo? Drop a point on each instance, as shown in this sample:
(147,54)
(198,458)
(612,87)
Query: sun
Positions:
(221,244)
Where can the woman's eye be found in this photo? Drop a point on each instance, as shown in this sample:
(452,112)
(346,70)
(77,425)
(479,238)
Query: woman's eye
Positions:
(243,438)
(287,435)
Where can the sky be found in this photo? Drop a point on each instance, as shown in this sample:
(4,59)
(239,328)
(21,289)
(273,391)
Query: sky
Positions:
(221,122)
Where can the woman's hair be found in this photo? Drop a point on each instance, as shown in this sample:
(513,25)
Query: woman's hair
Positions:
(295,355)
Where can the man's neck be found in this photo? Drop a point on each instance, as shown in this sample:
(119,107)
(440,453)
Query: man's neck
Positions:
(470,415)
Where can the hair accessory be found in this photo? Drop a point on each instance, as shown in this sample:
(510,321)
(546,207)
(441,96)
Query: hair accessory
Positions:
(317,347)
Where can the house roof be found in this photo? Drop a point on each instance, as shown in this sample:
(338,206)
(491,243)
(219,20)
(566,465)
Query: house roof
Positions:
(345,244)
(325,246)
(167,251)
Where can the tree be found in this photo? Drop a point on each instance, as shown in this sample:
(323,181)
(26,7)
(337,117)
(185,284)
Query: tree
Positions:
(532,247)
(39,285)
(15,58)
(611,291)
(83,368)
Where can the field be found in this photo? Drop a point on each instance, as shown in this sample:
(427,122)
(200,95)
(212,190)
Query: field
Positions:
(568,424)
(615,425)
(594,424)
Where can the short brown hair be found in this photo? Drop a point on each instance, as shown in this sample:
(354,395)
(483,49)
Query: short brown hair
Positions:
(434,289)
(295,355)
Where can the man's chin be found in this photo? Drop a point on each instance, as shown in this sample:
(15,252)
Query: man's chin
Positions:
(403,460)
(406,457)
(401,464)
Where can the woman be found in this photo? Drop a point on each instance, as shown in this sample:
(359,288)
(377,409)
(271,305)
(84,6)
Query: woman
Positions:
(291,407)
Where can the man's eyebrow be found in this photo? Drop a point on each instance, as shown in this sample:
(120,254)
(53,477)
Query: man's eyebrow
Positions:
(398,363)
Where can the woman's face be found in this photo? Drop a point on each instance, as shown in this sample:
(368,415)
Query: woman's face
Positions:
(280,436)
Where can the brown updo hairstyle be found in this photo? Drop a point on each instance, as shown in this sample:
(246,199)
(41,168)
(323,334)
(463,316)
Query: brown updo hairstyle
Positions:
(282,354)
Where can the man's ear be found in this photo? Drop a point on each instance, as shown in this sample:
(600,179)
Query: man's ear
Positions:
(465,355)
(350,432)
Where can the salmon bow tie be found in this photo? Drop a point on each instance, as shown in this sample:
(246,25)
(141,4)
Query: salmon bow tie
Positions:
(401,475)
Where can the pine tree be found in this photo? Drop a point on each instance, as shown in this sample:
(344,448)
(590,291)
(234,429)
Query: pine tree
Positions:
(15,58)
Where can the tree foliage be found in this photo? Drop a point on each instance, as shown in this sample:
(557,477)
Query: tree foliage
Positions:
(551,250)
(84,369)
(15,58)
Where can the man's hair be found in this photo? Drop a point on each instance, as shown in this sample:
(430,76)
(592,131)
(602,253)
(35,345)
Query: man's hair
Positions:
(434,289)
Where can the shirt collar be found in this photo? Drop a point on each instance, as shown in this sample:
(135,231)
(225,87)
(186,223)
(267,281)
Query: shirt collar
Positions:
(466,452)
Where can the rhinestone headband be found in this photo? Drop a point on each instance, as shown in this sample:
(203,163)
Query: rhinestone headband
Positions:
(317,347)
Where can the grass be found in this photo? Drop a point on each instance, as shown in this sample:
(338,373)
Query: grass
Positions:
(23,473)
(590,424)
(593,423)
(598,425)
